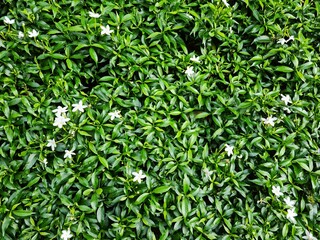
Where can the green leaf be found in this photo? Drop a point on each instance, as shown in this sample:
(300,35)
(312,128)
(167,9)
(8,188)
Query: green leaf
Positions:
(103,161)
(202,115)
(22,213)
(262,39)
(93,55)
(31,160)
(186,184)
(161,189)
(5,224)
(141,198)
(284,69)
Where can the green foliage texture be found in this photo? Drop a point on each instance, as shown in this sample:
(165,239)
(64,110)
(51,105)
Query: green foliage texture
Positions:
(173,127)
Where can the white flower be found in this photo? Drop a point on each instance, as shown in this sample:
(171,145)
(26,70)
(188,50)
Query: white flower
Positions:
(195,59)
(225,3)
(68,154)
(33,33)
(287,110)
(45,161)
(94,15)
(52,144)
(20,34)
(276,191)
(291,215)
(286,99)
(138,176)
(207,173)
(8,20)
(289,202)
(60,121)
(190,72)
(59,110)
(309,236)
(78,107)
(106,30)
(269,120)
(290,38)
(115,114)
(282,41)
(66,234)
(229,150)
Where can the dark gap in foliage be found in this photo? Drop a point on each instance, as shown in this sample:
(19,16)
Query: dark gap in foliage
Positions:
(193,44)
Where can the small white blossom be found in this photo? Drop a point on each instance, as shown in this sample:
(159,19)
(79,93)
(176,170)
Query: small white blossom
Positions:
(20,34)
(269,120)
(33,33)
(276,191)
(68,154)
(45,161)
(94,15)
(8,20)
(190,72)
(195,59)
(289,202)
(106,30)
(207,173)
(225,3)
(229,150)
(309,236)
(291,215)
(59,110)
(290,38)
(286,99)
(78,107)
(287,110)
(60,121)
(115,114)
(66,234)
(138,176)
(52,144)
(282,41)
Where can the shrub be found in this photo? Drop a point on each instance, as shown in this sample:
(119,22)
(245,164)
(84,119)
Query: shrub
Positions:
(149,119)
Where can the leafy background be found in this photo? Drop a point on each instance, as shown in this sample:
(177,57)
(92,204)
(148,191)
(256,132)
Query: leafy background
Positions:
(174,128)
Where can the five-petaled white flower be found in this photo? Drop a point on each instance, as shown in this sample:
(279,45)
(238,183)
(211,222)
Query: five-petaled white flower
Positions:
(68,154)
(115,114)
(94,15)
(282,41)
(289,202)
(8,20)
(106,30)
(291,215)
(33,33)
(229,150)
(225,3)
(78,107)
(59,110)
(52,144)
(66,234)
(138,176)
(276,191)
(286,99)
(207,173)
(190,72)
(60,121)
(20,34)
(309,236)
(195,59)
(269,120)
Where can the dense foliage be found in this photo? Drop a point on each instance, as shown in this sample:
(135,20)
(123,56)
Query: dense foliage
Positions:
(147,119)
